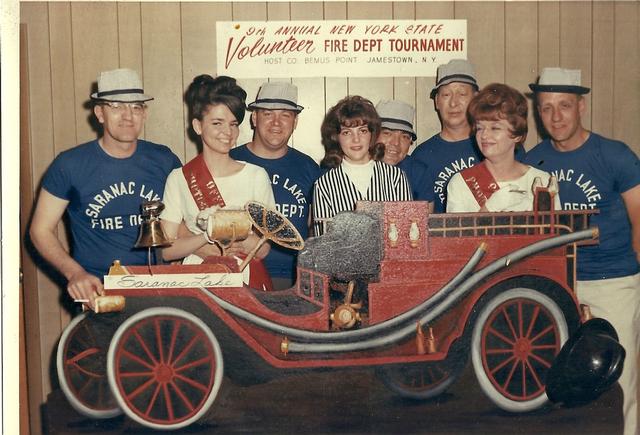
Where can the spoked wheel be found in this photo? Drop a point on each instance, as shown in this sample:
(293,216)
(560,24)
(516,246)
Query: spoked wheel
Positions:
(165,368)
(81,363)
(422,381)
(515,339)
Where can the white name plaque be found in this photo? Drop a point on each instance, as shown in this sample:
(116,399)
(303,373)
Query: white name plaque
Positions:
(338,48)
(174,280)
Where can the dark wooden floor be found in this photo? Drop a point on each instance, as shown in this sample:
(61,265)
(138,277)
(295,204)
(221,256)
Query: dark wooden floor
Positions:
(356,402)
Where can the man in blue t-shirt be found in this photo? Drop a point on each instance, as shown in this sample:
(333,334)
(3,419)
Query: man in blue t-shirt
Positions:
(274,117)
(453,149)
(397,135)
(597,173)
(101,185)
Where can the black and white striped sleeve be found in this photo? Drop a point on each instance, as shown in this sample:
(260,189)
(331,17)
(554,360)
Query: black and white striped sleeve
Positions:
(403,188)
(321,207)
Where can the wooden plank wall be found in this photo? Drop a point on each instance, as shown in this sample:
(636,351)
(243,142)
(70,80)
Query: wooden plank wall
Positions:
(170,43)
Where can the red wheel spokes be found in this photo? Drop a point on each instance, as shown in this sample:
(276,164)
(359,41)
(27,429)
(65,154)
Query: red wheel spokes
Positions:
(84,362)
(511,372)
(536,311)
(139,360)
(156,325)
(421,377)
(152,402)
(140,389)
(84,386)
(544,332)
(519,341)
(514,334)
(144,346)
(84,354)
(172,343)
(520,319)
(167,398)
(192,364)
(136,374)
(186,349)
(176,353)
(542,361)
(502,337)
(184,398)
(534,375)
(504,363)
(73,363)
(193,383)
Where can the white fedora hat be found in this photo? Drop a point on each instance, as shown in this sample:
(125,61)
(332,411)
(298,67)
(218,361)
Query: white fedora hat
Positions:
(120,85)
(456,70)
(277,95)
(562,80)
(397,115)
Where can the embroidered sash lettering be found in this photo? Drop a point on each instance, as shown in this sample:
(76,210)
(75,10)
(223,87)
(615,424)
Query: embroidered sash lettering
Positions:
(201,184)
(480,181)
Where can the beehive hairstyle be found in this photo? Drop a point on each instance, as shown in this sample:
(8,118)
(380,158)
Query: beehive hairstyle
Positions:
(351,111)
(205,91)
(498,101)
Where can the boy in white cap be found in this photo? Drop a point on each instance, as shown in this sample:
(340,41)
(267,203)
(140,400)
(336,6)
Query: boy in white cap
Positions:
(597,173)
(292,173)
(397,135)
(454,148)
(101,185)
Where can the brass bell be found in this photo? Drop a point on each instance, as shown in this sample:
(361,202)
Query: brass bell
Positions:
(151,234)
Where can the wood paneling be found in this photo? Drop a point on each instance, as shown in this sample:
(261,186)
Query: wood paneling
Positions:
(603,68)
(62,88)
(33,392)
(404,88)
(169,43)
(162,74)
(95,49)
(379,88)
(335,88)
(43,290)
(250,11)
(521,47)
(575,43)
(626,101)
(306,137)
(129,36)
(198,49)
(548,34)
(486,35)
(427,121)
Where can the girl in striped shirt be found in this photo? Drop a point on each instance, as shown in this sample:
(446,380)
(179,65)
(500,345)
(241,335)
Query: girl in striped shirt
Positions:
(349,133)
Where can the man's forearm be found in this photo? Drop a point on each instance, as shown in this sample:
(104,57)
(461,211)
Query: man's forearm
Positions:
(49,246)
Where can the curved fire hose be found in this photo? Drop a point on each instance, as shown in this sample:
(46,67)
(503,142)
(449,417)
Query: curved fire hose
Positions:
(333,337)
(402,332)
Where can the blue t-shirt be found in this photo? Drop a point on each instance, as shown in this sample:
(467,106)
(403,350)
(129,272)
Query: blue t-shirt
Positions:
(445,159)
(594,176)
(417,174)
(105,194)
(292,177)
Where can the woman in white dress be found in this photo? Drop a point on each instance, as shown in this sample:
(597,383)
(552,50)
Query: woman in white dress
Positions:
(498,114)
(213,179)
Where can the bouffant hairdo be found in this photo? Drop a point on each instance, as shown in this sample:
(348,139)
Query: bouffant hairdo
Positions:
(351,111)
(206,91)
(498,101)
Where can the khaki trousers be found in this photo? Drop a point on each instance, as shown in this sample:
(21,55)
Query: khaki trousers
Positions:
(618,301)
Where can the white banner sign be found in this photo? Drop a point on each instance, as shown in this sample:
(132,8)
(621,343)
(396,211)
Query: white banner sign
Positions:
(347,48)
(186,280)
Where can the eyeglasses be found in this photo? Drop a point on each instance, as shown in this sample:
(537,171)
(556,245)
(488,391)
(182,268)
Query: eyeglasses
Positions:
(120,108)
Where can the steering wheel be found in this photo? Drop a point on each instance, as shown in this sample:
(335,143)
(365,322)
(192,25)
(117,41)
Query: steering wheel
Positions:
(273,226)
